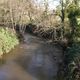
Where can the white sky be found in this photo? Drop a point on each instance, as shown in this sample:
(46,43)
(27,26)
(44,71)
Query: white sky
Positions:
(52,3)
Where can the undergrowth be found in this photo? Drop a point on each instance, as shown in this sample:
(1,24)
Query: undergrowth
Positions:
(72,71)
(8,40)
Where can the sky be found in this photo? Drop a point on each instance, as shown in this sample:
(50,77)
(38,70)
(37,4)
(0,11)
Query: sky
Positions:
(52,3)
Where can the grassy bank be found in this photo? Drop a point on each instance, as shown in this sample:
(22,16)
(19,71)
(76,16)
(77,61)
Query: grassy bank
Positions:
(8,40)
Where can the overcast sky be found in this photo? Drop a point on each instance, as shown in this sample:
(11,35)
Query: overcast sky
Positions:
(52,3)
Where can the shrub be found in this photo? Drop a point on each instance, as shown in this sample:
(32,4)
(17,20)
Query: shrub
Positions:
(8,40)
(73,62)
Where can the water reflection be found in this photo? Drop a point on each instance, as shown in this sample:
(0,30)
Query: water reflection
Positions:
(40,63)
(32,60)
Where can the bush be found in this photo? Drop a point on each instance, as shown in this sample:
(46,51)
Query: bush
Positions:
(8,40)
(73,62)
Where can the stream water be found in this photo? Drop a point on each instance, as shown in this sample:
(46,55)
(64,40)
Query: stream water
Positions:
(35,59)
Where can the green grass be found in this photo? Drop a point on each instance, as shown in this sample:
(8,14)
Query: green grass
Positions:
(8,40)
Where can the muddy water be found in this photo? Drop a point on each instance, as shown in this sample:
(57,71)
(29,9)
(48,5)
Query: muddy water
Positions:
(34,59)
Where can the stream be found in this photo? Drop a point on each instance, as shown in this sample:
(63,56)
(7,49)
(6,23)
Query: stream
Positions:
(35,59)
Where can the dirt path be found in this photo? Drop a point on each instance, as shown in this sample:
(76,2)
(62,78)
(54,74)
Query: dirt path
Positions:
(33,60)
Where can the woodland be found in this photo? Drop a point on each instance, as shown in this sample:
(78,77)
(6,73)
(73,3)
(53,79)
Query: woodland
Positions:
(60,26)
